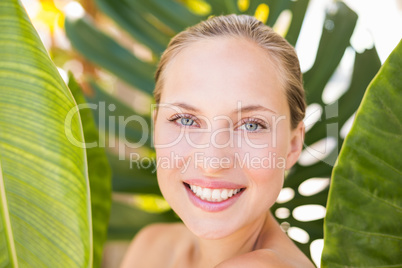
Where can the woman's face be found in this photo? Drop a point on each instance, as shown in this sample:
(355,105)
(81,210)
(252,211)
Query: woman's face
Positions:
(223,129)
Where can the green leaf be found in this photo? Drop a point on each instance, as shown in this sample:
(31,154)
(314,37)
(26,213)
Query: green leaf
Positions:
(365,67)
(45,213)
(132,176)
(275,9)
(167,12)
(99,174)
(298,9)
(109,54)
(175,10)
(126,220)
(136,23)
(337,30)
(231,6)
(134,130)
(217,7)
(363,221)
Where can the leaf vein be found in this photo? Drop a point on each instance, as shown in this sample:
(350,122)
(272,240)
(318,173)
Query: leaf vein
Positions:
(364,232)
(361,149)
(373,196)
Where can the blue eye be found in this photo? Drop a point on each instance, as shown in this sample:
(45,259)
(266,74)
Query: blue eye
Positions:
(253,124)
(186,121)
(247,124)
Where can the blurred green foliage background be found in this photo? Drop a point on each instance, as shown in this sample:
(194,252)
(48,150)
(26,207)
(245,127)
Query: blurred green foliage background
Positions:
(116,46)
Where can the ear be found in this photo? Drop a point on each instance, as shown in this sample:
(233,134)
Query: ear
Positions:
(296,145)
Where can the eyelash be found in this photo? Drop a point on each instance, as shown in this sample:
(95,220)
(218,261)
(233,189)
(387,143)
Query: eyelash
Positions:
(257,121)
(175,117)
(260,122)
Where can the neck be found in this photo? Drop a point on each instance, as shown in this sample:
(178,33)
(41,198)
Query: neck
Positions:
(210,253)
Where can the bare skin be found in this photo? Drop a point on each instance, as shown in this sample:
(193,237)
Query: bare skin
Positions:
(173,245)
(210,77)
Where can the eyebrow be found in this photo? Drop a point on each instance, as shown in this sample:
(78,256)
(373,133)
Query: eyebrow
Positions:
(244,109)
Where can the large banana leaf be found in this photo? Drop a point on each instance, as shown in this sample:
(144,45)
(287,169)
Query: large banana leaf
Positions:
(363,222)
(45,213)
(153,22)
(99,174)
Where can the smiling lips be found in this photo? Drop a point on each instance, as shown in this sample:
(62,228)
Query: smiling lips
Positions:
(213,196)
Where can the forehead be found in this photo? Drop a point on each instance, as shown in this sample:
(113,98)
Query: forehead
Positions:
(223,71)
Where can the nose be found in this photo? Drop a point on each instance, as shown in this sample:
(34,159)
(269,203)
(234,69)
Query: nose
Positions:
(217,154)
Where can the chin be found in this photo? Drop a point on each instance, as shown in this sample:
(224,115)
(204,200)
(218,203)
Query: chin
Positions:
(211,229)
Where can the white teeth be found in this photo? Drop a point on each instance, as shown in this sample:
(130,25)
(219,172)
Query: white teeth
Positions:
(224,194)
(230,193)
(198,191)
(206,194)
(213,195)
(216,194)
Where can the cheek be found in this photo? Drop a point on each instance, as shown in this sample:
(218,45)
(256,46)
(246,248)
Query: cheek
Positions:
(170,148)
(166,135)
(264,168)
(265,183)
(262,160)
(264,152)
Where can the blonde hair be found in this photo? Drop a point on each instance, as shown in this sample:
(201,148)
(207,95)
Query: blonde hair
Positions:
(279,50)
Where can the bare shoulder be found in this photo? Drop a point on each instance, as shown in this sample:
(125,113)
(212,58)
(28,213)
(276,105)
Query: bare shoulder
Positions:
(273,249)
(155,238)
(266,258)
